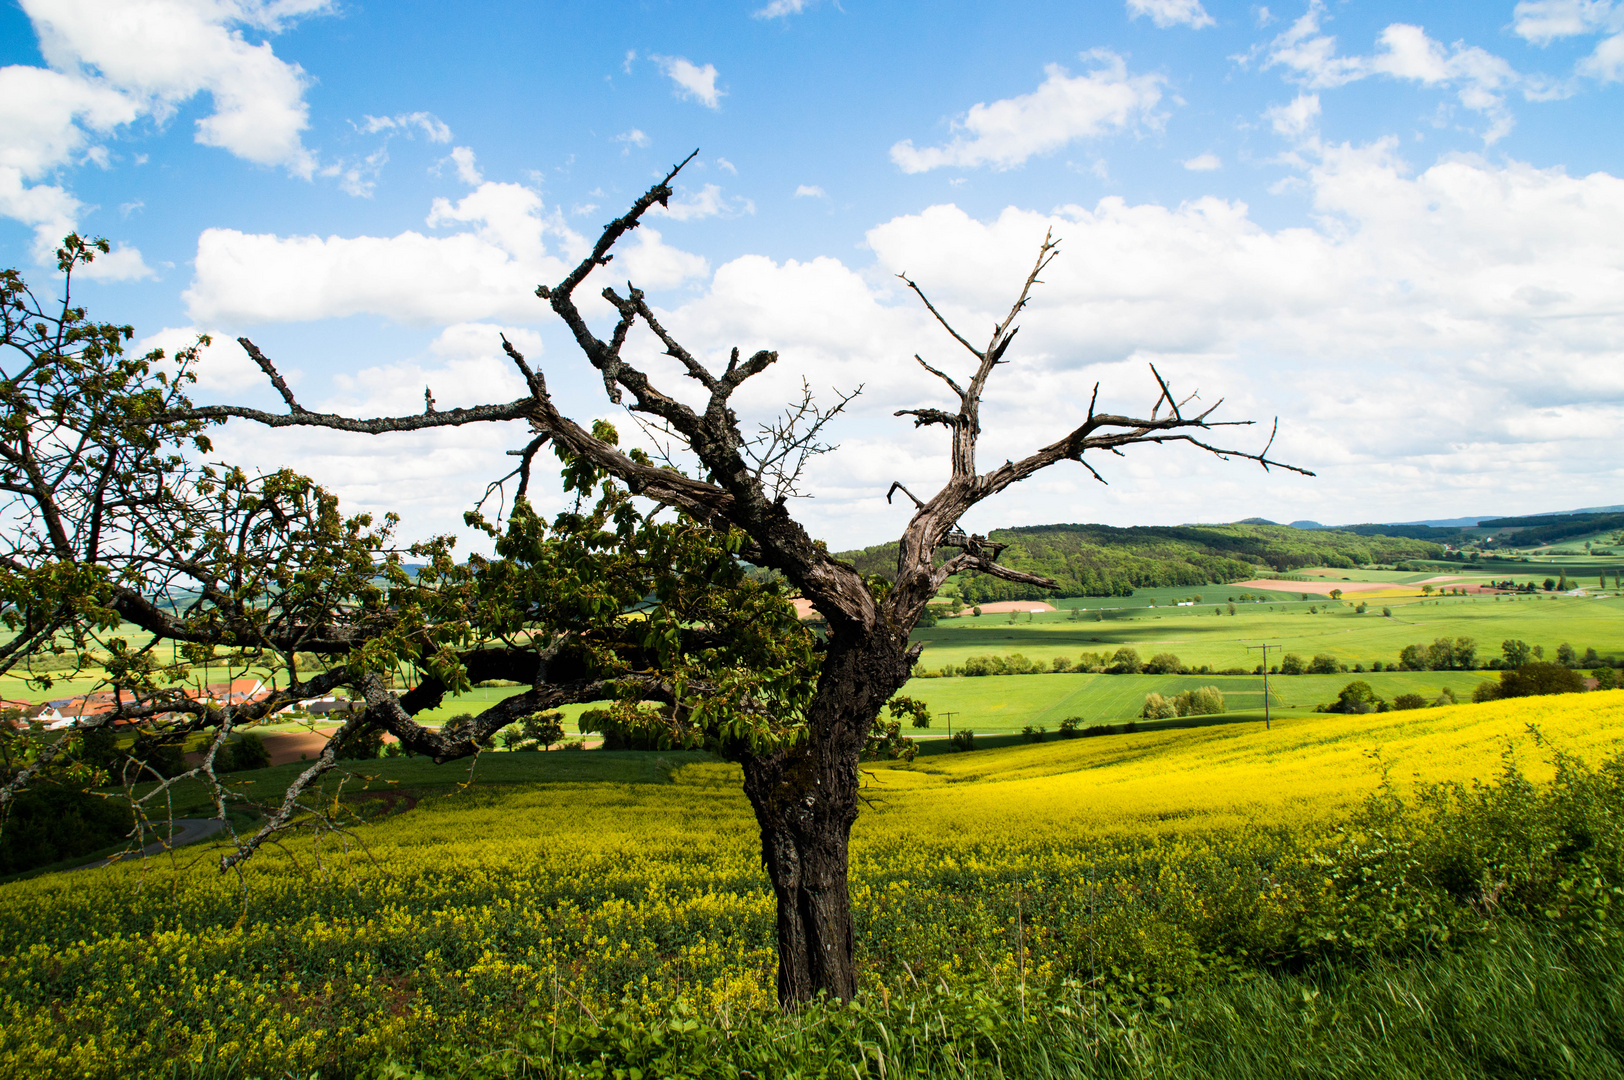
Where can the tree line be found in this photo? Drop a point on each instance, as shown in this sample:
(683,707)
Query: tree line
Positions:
(1102,560)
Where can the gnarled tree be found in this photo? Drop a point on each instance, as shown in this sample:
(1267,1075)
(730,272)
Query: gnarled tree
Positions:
(801,762)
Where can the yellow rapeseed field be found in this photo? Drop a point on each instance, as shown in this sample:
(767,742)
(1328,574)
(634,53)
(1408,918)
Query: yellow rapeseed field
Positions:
(1153,855)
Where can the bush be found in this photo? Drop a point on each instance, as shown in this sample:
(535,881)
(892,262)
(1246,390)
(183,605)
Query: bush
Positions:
(1125,662)
(50,824)
(543,728)
(1203,701)
(1356,697)
(1068,727)
(246,751)
(1540,677)
(1409,701)
(1158,707)
(1606,678)
(156,755)
(1164,664)
(963,740)
(1291,664)
(1061,663)
(1322,664)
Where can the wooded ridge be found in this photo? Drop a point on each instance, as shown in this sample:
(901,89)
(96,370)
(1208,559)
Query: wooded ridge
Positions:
(1102,560)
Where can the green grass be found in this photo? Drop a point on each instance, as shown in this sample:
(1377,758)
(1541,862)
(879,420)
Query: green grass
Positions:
(1010,702)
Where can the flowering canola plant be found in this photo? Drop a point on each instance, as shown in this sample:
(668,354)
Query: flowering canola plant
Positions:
(1145,862)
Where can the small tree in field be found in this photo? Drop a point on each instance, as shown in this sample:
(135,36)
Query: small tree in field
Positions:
(720,660)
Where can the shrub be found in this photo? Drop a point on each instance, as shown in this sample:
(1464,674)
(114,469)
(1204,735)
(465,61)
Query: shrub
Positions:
(1412,658)
(1356,697)
(1164,664)
(1606,678)
(1203,701)
(157,755)
(1125,662)
(543,728)
(1409,701)
(50,824)
(1068,727)
(246,751)
(1322,664)
(1540,677)
(1061,663)
(1291,664)
(1158,707)
(963,740)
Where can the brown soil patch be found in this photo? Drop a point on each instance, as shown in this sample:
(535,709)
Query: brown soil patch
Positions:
(1015,605)
(1323,588)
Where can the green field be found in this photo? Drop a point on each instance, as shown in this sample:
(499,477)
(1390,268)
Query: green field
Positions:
(1198,636)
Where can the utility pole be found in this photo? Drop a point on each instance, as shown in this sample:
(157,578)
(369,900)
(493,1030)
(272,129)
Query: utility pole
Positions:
(1265,648)
(950,717)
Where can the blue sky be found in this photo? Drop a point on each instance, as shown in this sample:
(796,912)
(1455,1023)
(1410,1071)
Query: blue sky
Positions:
(1397,226)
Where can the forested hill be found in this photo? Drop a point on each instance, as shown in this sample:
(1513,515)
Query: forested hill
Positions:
(1098,560)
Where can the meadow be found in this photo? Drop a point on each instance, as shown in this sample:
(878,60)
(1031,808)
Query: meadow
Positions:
(566,905)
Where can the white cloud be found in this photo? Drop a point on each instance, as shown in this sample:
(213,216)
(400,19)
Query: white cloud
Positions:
(1203,163)
(112,62)
(693,82)
(467,171)
(1298,119)
(810,191)
(708,201)
(505,242)
(1061,110)
(432,127)
(724,163)
(1165,13)
(222,366)
(162,53)
(1543,21)
(1607,62)
(778,9)
(1479,79)
(634,137)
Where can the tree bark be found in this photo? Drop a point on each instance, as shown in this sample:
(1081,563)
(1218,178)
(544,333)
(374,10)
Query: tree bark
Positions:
(805,801)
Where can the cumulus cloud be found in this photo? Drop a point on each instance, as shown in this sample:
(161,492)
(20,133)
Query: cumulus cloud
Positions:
(693,82)
(1203,163)
(810,191)
(1063,109)
(112,62)
(1479,79)
(503,241)
(1543,21)
(1165,13)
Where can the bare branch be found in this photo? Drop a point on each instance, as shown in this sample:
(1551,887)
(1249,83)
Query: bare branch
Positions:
(269,369)
(940,318)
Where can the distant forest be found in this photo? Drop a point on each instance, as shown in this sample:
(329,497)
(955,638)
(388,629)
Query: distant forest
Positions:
(1098,560)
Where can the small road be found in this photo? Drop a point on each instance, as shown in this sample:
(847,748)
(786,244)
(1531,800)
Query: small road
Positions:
(186,831)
